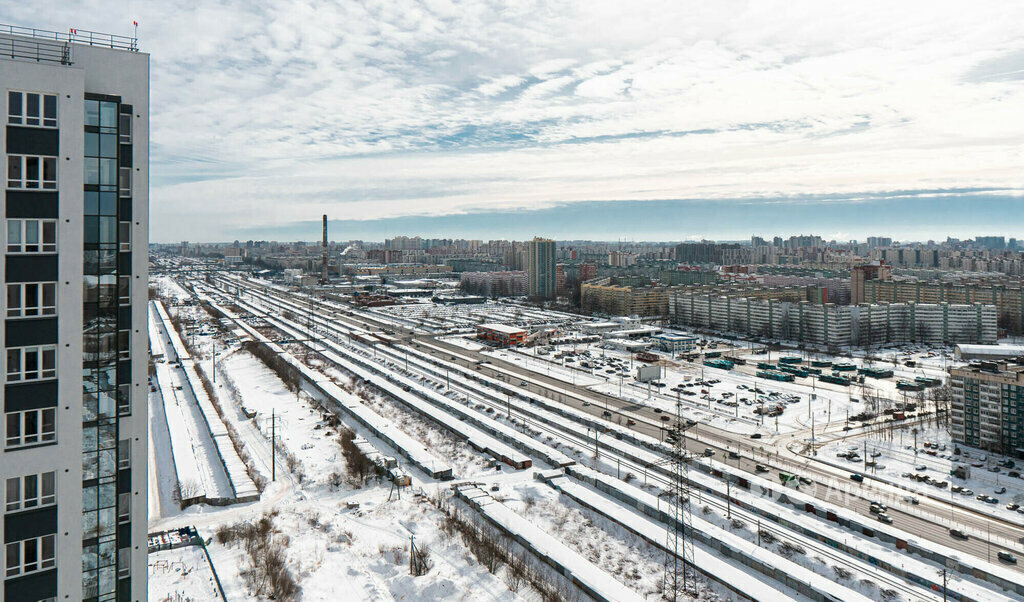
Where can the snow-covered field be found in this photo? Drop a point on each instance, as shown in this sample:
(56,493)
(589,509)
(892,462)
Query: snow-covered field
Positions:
(181,575)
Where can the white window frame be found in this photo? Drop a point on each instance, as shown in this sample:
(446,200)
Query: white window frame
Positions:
(22,182)
(35,226)
(17,492)
(22,438)
(18,373)
(40,309)
(34,546)
(24,119)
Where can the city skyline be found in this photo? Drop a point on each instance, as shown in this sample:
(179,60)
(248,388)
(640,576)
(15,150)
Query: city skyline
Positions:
(382,116)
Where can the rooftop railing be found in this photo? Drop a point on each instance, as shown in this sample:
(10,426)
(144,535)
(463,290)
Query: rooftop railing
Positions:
(42,45)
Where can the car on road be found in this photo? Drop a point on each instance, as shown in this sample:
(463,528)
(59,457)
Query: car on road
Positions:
(606,414)
(957,533)
(857,477)
(1007,557)
(735,455)
(522,383)
(586,403)
(630,422)
(761,468)
(920,467)
(756,436)
(911,500)
(885,518)
(708,452)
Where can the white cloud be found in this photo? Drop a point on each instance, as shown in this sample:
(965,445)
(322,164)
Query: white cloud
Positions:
(283,111)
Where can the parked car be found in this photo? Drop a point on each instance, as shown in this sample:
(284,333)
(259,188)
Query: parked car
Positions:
(1012,506)
(920,467)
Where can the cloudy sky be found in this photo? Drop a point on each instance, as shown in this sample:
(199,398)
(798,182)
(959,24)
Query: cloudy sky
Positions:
(646,120)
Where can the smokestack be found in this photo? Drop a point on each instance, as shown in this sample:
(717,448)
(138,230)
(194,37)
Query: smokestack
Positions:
(323,257)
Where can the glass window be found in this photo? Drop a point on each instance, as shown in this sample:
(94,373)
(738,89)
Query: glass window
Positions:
(14,235)
(108,172)
(50,110)
(92,144)
(108,146)
(13,499)
(14,179)
(92,112)
(14,110)
(49,231)
(92,171)
(108,115)
(50,173)
(125,181)
(108,230)
(125,128)
(13,558)
(32,109)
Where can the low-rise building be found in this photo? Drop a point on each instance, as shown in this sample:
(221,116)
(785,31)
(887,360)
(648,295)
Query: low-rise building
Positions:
(501,334)
(675,343)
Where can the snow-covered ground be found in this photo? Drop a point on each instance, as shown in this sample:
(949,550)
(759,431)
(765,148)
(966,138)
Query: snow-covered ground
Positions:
(181,575)
(895,457)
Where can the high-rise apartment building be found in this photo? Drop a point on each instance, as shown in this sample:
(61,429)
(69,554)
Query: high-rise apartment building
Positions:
(988,406)
(542,268)
(73,463)
(862,273)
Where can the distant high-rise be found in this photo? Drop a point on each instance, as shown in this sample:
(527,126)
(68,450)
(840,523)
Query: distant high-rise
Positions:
(542,268)
(879,241)
(862,273)
(73,462)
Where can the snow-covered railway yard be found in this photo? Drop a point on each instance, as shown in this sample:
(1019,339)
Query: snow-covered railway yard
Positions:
(502,424)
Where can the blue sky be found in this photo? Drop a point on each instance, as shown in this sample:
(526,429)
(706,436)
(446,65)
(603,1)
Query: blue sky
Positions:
(576,119)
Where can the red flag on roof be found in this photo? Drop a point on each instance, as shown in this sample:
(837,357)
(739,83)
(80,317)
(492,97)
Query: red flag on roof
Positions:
(135,23)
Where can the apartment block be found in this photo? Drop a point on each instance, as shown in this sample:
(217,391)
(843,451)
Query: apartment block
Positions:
(606,296)
(988,406)
(829,325)
(73,463)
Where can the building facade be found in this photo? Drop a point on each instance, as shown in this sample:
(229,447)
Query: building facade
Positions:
(828,325)
(606,296)
(542,268)
(74,455)
(1007,299)
(988,407)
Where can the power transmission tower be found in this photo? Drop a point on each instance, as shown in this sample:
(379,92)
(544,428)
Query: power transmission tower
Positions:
(680,573)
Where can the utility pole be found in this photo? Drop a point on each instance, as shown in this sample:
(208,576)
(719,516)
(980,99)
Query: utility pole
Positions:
(213,362)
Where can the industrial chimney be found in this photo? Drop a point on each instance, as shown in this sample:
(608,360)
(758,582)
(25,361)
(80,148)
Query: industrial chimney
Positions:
(323,257)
